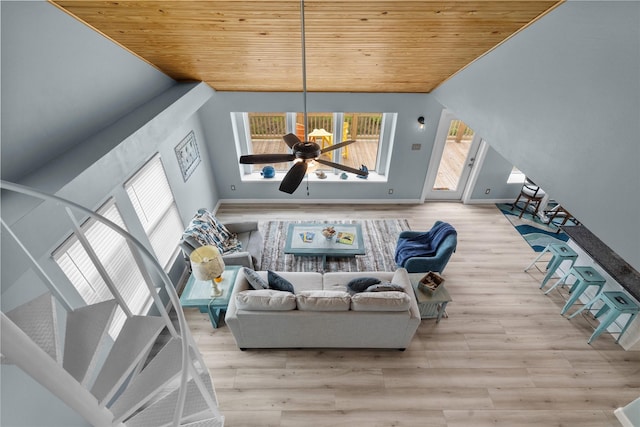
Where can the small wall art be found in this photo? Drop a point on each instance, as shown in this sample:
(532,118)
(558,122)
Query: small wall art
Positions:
(188,155)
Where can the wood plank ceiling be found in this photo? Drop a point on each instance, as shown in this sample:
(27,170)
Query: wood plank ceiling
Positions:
(351,45)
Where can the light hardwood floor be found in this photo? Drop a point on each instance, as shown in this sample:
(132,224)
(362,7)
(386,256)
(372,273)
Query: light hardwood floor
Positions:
(503,357)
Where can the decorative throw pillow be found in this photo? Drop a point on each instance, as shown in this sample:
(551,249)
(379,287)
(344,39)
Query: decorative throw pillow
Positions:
(385,287)
(254,279)
(360,284)
(265,300)
(380,301)
(323,300)
(278,282)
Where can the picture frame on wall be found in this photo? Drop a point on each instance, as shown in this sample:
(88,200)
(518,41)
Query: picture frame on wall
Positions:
(188,155)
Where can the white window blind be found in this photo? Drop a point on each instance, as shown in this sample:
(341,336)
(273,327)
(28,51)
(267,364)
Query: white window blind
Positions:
(153,201)
(115,255)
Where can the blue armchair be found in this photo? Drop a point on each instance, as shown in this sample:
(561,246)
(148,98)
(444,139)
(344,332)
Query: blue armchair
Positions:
(420,251)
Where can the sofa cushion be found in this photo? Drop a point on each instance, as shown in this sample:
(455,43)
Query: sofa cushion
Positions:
(385,287)
(265,300)
(380,301)
(323,300)
(360,284)
(254,279)
(278,282)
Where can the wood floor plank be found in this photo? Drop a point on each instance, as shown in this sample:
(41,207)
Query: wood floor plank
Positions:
(309,378)
(458,377)
(368,418)
(526,418)
(562,399)
(430,397)
(503,357)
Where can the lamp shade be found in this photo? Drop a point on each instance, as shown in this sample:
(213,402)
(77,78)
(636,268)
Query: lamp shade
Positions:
(206,263)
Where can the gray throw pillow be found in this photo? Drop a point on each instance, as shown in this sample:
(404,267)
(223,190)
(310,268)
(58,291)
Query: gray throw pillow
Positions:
(278,282)
(385,287)
(254,279)
(360,284)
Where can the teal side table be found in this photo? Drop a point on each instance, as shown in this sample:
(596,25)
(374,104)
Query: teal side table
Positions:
(197,293)
(431,305)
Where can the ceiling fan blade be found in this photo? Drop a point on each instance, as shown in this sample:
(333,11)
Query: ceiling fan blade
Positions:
(336,146)
(253,159)
(342,167)
(293,178)
(291,139)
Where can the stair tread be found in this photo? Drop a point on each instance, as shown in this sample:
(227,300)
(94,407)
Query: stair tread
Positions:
(86,327)
(164,367)
(135,338)
(37,319)
(161,413)
(210,422)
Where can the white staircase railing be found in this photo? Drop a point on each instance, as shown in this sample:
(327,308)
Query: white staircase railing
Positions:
(21,350)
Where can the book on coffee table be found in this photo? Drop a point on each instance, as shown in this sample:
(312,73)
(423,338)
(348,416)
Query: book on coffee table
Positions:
(307,236)
(345,237)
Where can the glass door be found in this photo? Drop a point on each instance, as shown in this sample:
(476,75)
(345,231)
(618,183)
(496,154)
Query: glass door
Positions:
(452,159)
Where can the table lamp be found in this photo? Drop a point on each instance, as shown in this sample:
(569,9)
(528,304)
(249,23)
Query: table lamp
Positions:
(207,264)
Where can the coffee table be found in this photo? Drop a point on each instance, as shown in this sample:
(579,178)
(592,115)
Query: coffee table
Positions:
(197,293)
(319,246)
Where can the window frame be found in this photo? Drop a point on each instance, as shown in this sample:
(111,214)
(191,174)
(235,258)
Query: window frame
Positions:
(156,222)
(242,136)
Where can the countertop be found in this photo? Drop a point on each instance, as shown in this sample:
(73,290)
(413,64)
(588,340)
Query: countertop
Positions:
(620,270)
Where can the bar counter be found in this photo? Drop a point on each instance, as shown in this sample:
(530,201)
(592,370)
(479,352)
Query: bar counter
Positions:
(620,270)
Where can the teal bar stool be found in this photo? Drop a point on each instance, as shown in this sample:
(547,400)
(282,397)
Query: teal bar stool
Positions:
(615,303)
(585,277)
(561,252)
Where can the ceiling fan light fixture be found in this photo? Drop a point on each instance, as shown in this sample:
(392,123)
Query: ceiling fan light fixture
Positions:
(312,166)
(421,122)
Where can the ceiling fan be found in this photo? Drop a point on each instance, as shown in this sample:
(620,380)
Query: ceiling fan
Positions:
(304,152)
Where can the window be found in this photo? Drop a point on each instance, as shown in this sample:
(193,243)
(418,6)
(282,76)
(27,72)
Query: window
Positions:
(117,261)
(261,133)
(516,176)
(153,201)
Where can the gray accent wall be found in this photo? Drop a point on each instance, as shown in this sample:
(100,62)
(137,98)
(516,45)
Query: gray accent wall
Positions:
(61,82)
(561,101)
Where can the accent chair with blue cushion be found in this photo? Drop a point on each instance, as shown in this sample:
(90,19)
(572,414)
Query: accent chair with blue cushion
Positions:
(423,251)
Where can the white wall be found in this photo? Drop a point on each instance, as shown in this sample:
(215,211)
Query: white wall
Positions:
(561,101)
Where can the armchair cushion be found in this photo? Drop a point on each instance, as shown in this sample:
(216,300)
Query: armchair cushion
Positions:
(426,251)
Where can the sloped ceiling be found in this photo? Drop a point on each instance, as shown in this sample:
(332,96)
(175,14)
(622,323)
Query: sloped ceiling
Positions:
(351,46)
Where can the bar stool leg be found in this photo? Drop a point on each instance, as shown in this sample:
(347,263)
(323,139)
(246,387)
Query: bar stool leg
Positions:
(586,307)
(546,249)
(561,280)
(631,318)
(579,288)
(604,324)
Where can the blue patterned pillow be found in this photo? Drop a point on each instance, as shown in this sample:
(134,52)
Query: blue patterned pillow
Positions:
(207,230)
(254,279)
(279,283)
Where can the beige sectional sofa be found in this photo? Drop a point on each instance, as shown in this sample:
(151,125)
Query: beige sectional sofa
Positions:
(322,314)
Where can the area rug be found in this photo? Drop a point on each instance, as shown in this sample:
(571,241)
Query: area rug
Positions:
(379,238)
(535,232)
